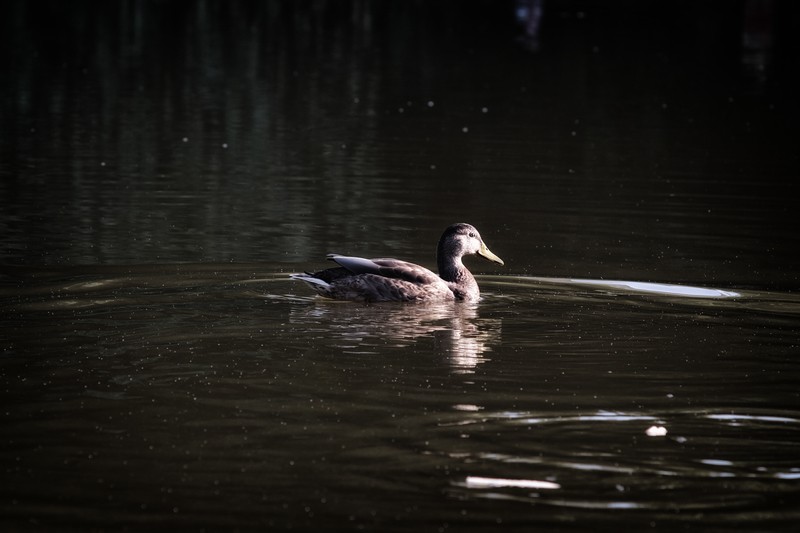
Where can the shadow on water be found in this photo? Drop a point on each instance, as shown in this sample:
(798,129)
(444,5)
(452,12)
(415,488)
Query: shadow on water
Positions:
(661,402)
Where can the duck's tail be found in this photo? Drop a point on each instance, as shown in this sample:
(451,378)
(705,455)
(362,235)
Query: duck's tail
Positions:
(319,285)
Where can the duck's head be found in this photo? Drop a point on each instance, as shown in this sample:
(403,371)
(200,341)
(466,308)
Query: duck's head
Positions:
(463,239)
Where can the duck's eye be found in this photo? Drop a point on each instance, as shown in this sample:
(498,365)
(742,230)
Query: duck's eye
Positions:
(472,234)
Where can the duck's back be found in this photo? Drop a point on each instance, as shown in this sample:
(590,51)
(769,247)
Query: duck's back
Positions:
(376,288)
(378,280)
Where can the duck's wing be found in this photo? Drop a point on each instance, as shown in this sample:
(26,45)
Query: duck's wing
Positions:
(387,268)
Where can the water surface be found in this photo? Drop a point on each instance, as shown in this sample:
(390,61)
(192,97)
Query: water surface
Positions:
(224,396)
(165,167)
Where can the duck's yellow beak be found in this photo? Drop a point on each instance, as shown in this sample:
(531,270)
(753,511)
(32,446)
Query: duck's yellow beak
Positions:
(487,253)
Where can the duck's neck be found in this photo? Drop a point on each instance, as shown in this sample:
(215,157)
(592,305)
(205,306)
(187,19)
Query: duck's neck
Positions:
(453,270)
(458,278)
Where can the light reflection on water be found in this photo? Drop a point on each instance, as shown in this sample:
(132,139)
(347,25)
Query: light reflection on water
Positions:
(459,335)
(231,382)
(630,470)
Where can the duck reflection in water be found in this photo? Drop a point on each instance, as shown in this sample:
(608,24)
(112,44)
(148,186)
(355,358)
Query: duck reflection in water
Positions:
(460,337)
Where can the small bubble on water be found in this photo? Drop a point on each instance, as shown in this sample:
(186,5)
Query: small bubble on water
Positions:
(430,103)
(185,139)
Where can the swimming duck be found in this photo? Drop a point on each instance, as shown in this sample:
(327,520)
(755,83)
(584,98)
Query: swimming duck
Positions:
(382,280)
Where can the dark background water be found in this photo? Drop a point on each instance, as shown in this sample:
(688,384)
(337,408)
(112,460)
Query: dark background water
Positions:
(635,140)
(163,165)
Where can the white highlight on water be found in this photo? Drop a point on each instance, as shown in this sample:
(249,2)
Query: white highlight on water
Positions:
(661,288)
(477,482)
(656,431)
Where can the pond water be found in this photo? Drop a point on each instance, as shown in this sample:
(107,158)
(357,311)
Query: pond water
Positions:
(165,167)
(225,396)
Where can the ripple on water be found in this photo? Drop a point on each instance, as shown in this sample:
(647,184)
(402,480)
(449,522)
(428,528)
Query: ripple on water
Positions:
(541,394)
(632,470)
(522,290)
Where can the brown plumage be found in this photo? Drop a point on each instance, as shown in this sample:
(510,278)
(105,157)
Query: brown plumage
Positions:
(380,280)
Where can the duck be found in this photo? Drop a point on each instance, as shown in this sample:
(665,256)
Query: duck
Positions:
(386,279)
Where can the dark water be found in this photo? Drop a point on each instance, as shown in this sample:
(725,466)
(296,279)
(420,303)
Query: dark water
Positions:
(165,166)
